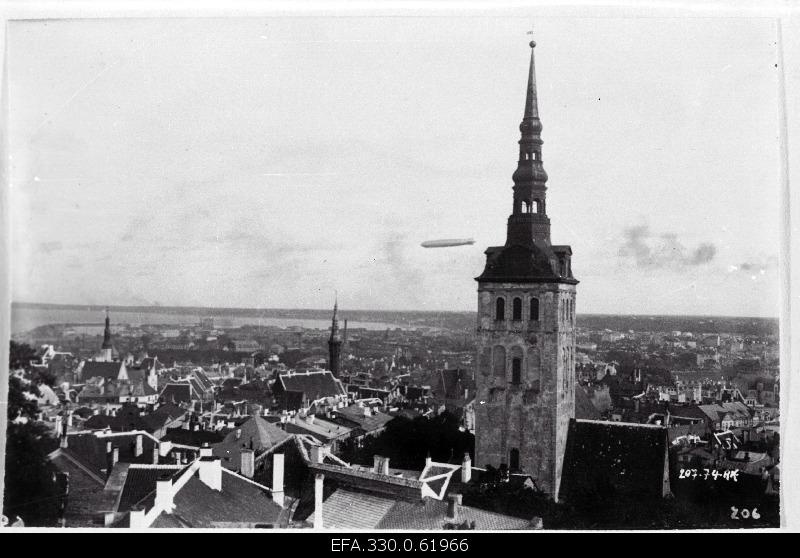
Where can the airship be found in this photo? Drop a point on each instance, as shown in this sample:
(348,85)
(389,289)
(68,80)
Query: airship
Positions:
(447,242)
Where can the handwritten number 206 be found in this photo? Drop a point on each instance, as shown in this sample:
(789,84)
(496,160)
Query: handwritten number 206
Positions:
(736,513)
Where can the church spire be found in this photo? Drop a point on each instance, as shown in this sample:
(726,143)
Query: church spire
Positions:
(107,332)
(335,342)
(529,221)
(335,320)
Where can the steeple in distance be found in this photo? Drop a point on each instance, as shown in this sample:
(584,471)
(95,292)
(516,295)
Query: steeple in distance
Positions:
(107,347)
(335,341)
(107,332)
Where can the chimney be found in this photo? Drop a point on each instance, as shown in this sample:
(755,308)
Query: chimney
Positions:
(376,463)
(64,441)
(317,454)
(248,465)
(453,505)
(137,519)
(164,495)
(155,454)
(384,466)
(466,469)
(277,478)
(428,461)
(319,480)
(108,446)
(138,450)
(114,457)
(238,433)
(210,469)
(164,447)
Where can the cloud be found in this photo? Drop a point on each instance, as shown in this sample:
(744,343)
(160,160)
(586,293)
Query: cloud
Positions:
(664,251)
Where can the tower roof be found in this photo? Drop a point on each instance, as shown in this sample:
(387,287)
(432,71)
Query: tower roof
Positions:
(528,255)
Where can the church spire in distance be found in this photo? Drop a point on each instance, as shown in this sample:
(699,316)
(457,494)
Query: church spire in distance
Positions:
(107,332)
(335,342)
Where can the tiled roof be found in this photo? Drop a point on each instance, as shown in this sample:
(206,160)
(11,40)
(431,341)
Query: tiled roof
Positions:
(203,380)
(239,502)
(126,419)
(374,421)
(315,384)
(95,369)
(90,450)
(614,457)
(177,393)
(262,434)
(321,429)
(194,438)
(140,482)
(349,510)
(432,514)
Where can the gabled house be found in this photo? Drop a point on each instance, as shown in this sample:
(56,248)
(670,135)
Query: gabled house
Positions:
(294,391)
(202,494)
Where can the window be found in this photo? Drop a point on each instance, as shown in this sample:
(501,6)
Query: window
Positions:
(500,309)
(514,459)
(534,309)
(516,311)
(516,371)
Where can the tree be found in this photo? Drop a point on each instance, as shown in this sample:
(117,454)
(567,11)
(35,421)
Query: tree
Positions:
(30,490)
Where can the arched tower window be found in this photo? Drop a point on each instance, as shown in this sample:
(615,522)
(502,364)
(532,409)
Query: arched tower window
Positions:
(499,361)
(535,309)
(500,309)
(513,459)
(516,309)
(516,371)
(537,206)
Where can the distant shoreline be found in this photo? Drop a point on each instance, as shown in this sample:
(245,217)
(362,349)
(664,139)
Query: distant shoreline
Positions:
(323,312)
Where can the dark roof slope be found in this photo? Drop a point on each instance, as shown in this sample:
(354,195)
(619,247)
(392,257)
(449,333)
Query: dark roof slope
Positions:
(177,393)
(239,502)
(315,384)
(97,369)
(139,483)
(606,458)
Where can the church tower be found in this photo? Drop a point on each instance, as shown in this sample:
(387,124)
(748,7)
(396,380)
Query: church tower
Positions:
(526,329)
(106,347)
(334,343)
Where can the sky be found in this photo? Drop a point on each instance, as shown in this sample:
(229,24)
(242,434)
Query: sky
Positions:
(276,162)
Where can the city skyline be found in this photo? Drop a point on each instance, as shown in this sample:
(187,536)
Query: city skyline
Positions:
(182,221)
